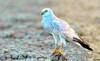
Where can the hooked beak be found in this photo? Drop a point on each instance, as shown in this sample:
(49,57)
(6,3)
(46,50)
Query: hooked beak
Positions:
(42,13)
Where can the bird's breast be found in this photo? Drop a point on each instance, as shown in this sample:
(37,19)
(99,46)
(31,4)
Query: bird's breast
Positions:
(47,26)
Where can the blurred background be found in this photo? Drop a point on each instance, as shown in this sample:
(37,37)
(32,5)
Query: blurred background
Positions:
(21,33)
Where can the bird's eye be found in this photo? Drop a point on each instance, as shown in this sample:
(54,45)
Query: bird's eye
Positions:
(44,12)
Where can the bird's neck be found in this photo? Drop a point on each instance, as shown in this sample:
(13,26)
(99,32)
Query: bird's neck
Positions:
(49,17)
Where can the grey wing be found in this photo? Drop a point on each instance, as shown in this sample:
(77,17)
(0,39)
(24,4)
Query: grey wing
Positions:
(67,32)
(64,29)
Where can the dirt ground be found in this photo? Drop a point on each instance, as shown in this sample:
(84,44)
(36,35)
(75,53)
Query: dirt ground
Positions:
(22,37)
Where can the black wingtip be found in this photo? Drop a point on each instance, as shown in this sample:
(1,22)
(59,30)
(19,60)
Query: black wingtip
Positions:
(83,44)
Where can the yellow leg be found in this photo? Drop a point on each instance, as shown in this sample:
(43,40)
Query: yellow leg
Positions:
(57,51)
(54,50)
(54,47)
(60,49)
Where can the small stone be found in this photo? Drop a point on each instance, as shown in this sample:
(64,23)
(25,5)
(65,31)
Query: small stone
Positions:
(58,57)
(7,56)
(20,56)
(2,56)
(14,55)
(25,55)
(41,59)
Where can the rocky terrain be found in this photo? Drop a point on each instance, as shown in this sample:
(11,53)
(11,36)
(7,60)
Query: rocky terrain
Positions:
(23,39)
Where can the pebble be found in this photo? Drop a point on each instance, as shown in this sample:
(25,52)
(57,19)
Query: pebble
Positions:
(15,55)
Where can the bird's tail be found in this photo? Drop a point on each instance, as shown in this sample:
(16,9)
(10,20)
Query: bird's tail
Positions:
(83,44)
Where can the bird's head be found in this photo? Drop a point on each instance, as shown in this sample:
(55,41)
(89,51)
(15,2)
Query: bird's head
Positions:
(46,12)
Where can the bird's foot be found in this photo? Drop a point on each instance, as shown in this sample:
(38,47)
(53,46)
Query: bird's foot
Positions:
(59,52)
(53,52)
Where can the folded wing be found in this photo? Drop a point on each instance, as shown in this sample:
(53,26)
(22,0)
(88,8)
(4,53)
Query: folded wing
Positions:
(67,32)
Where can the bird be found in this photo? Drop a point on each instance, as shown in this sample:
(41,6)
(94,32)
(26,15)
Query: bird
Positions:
(61,31)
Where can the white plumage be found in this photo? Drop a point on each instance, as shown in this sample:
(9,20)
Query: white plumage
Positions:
(60,29)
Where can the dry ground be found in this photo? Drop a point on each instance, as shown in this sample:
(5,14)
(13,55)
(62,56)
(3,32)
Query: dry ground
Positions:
(21,34)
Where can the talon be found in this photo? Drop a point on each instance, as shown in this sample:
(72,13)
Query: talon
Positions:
(57,51)
(60,49)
